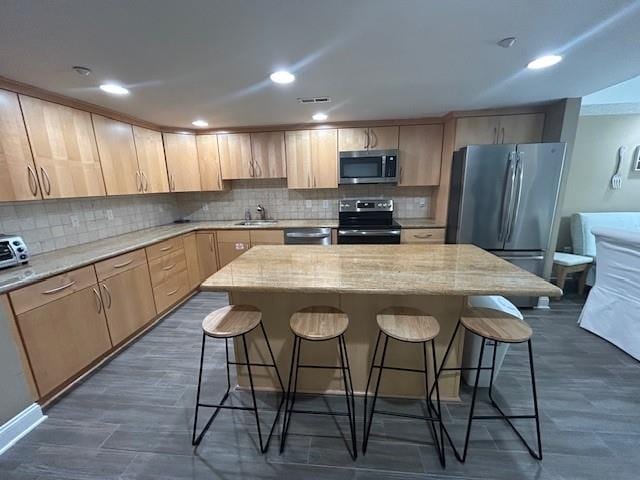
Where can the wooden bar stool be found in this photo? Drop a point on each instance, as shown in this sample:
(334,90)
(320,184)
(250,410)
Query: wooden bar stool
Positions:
(319,324)
(496,326)
(407,325)
(230,322)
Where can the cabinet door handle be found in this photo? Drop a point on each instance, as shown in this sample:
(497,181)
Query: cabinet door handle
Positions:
(375,138)
(108,294)
(145,182)
(423,235)
(123,264)
(172,292)
(168,267)
(168,247)
(211,242)
(98,300)
(46,181)
(502,135)
(495,135)
(138,181)
(59,289)
(366,139)
(33,181)
(257,169)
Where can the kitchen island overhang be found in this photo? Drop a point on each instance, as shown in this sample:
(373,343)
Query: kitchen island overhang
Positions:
(362,280)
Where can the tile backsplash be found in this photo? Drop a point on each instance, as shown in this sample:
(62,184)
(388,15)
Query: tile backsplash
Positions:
(53,224)
(282,203)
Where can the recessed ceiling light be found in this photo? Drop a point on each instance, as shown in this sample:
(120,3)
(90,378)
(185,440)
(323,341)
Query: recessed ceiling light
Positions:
(199,123)
(544,62)
(114,89)
(319,117)
(282,77)
(507,42)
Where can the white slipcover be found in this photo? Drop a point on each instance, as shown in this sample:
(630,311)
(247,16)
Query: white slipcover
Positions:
(612,310)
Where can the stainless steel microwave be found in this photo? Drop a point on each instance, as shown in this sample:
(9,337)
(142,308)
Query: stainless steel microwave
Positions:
(369,166)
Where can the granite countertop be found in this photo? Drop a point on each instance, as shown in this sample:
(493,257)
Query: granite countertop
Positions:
(59,261)
(377,269)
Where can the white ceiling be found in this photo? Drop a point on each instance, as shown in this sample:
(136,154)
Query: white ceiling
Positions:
(375,58)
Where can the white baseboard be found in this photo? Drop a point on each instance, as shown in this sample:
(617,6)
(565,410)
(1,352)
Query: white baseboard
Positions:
(20,425)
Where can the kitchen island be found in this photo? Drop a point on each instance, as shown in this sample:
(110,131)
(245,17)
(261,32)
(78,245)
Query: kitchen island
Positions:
(361,280)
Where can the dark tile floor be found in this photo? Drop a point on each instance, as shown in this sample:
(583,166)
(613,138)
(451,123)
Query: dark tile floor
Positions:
(132,418)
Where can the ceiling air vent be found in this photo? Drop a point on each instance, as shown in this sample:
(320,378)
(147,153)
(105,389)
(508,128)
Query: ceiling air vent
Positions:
(315,100)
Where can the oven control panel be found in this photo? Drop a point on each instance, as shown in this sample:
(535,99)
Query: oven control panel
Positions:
(368,205)
(13,251)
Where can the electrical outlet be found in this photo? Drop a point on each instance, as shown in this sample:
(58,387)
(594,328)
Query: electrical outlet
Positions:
(422,202)
(109,214)
(75,221)
(205,207)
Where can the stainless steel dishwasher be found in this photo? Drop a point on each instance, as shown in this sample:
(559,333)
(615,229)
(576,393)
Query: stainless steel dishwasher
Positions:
(307,236)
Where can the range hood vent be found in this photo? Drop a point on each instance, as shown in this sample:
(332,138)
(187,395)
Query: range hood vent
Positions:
(314,99)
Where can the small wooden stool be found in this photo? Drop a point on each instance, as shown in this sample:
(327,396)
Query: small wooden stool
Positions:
(230,322)
(566,263)
(408,325)
(496,326)
(318,324)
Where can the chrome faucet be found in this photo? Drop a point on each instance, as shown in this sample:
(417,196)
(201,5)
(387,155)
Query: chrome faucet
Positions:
(262,212)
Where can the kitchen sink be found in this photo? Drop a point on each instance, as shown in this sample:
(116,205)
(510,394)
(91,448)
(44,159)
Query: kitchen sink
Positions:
(257,223)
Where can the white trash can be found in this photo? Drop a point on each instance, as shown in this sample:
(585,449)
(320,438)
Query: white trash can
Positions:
(473,343)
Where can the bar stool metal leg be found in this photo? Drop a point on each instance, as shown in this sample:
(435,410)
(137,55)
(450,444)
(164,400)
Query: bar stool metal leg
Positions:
(438,440)
(348,393)
(366,390)
(195,440)
(365,440)
(285,422)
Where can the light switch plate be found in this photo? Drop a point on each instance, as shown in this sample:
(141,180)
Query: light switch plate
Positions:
(109,214)
(75,221)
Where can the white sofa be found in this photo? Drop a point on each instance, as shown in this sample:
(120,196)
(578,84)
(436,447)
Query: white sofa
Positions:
(612,310)
(584,243)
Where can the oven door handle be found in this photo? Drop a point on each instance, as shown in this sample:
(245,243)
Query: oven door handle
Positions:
(368,233)
(307,235)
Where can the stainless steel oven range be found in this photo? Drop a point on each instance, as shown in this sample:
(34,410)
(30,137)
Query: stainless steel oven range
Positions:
(367,221)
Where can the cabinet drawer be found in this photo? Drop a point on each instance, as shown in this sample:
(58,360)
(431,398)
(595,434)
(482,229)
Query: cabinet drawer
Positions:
(171,291)
(51,289)
(422,235)
(234,236)
(122,263)
(162,248)
(267,237)
(166,266)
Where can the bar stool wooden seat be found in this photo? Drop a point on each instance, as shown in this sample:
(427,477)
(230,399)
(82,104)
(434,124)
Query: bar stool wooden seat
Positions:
(319,324)
(498,327)
(409,325)
(227,323)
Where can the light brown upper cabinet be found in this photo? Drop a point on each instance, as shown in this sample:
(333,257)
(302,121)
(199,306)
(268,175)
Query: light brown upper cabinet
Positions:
(236,161)
(374,138)
(209,160)
(17,171)
(117,155)
(420,155)
(64,149)
(267,149)
(151,161)
(182,162)
(312,158)
(524,128)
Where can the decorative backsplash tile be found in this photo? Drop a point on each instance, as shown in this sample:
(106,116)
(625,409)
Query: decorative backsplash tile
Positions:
(53,224)
(282,203)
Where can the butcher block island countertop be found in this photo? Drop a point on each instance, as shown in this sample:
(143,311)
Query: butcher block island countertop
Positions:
(377,269)
(362,280)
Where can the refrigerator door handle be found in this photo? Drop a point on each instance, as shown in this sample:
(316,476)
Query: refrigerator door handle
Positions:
(509,180)
(516,207)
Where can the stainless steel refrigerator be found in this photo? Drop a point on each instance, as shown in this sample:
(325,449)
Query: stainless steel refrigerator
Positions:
(503,198)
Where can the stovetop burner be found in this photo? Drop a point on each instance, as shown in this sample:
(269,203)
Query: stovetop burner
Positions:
(367,221)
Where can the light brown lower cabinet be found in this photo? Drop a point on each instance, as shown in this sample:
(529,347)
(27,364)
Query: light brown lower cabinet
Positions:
(207,253)
(169,273)
(422,235)
(128,302)
(267,237)
(171,291)
(64,336)
(193,264)
(232,244)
